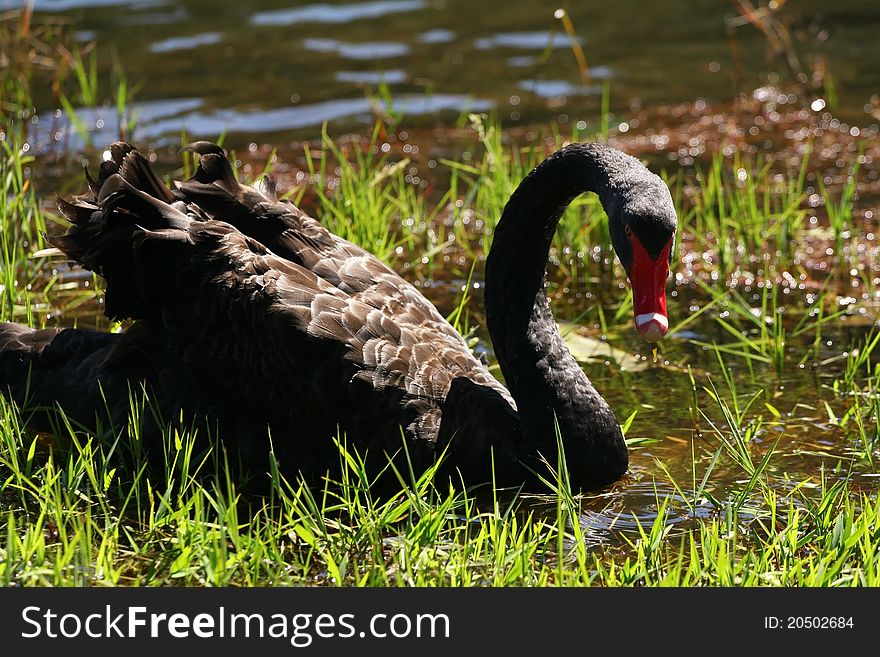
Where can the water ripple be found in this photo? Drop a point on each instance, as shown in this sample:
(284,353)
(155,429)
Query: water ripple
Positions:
(394,76)
(186,43)
(324,13)
(526,40)
(437,36)
(554,88)
(65,5)
(301,116)
(362,51)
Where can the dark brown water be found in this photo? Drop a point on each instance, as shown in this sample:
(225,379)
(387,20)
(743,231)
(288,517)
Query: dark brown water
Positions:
(280,68)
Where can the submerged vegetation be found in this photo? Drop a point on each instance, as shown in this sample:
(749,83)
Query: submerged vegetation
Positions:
(754,433)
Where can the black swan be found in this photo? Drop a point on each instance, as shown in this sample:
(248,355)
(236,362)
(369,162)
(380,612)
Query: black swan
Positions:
(253,321)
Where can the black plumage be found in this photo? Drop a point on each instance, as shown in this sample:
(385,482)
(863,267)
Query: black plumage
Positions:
(251,320)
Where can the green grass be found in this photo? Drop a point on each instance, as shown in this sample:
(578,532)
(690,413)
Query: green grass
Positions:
(73,518)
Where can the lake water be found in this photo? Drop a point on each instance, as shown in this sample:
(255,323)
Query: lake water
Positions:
(280,68)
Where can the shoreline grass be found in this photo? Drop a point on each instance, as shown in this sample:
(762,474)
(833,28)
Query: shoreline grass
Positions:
(74,519)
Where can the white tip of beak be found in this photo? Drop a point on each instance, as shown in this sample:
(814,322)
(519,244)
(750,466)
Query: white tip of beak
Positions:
(652,326)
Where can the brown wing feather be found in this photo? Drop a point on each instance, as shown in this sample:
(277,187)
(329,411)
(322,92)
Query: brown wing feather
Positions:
(390,329)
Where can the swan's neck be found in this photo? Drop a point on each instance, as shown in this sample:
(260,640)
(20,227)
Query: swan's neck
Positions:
(545,380)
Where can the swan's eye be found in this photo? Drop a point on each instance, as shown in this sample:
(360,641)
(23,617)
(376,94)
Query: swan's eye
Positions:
(628,230)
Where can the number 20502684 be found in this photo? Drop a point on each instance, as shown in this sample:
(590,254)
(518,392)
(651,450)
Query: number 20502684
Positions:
(808,622)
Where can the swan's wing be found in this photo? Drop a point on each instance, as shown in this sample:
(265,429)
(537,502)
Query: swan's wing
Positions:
(393,340)
(281,226)
(391,329)
(241,315)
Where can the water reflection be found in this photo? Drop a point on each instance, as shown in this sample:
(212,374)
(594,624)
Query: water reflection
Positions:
(552,88)
(53,131)
(437,36)
(364,51)
(160,17)
(527,41)
(185,43)
(257,121)
(522,60)
(638,507)
(163,120)
(325,13)
(394,76)
(65,5)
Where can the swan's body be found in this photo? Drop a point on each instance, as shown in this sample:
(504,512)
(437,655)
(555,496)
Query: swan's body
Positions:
(252,316)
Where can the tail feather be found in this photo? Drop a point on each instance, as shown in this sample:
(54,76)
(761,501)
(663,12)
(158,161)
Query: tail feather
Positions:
(129,208)
(136,171)
(255,211)
(129,205)
(214,167)
(94,186)
(215,188)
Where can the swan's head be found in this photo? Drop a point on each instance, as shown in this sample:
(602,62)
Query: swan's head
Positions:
(643,235)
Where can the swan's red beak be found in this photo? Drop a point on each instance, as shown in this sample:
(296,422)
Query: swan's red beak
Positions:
(648,277)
